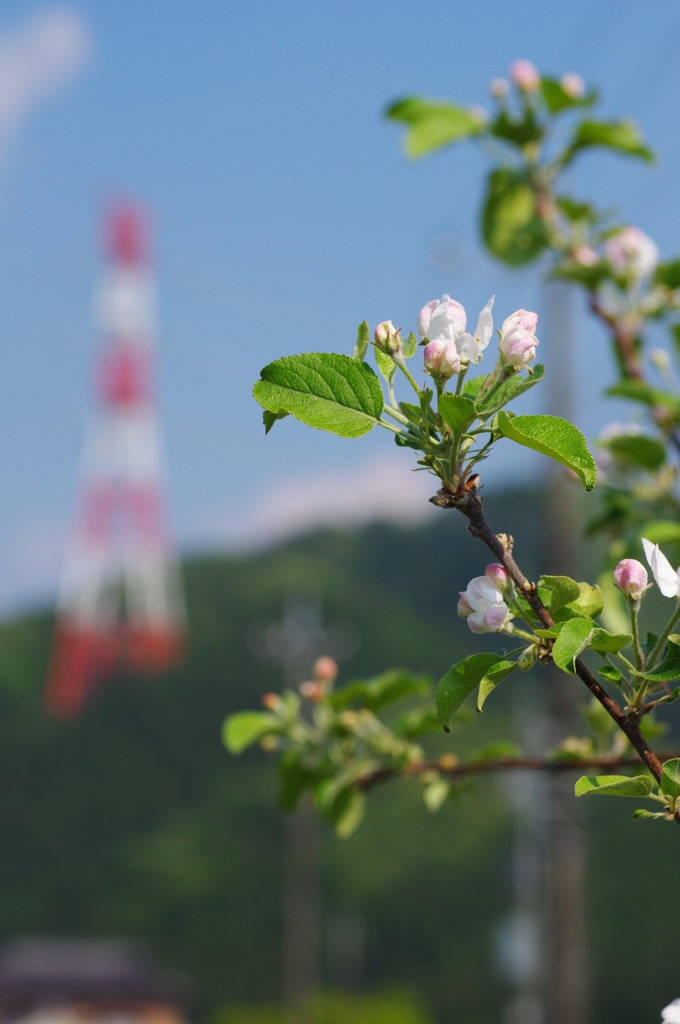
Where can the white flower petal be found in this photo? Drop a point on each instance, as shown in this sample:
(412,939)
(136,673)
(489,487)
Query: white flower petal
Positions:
(665,575)
(482,589)
(468,349)
(484,328)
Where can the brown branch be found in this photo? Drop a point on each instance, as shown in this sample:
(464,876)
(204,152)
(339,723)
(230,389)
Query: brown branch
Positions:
(533,764)
(470,504)
(623,340)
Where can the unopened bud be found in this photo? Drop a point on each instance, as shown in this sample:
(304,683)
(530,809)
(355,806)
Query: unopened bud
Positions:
(448,761)
(499,88)
(573,85)
(313,690)
(498,574)
(325,669)
(630,576)
(585,256)
(441,359)
(525,76)
(527,658)
(272,701)
(387,338)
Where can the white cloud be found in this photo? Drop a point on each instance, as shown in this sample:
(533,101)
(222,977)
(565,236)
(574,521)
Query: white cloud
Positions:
(37,61)
(383,489)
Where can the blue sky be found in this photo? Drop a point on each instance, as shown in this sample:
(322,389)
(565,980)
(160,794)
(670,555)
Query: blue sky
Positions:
(285,215)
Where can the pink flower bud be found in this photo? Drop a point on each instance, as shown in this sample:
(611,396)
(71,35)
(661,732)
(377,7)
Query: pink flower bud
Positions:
(464,606)
(520,318)
(630,251)
(585,256)
(499,87)
(441,359)
(518,348)
(488,613)
(441,321)
(325,669)
(630,576)
(497,573)
(387,337)
(313,690)
(272,701)
(525,76)
(573,85)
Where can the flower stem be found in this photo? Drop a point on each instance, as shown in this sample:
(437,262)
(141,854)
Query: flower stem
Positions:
(634,608)
(461,378)
(658,647)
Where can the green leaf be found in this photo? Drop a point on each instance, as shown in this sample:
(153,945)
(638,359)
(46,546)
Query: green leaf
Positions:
(639,449)
(622,136)
(614,785)
(518,130)
(378,693)
(563,590)
(459,682)
(497,748)
(670,778)
(511,227)
(418,722)
(668,274)
(509,391)
(351,814)
(270,418)
(472,387)
(324,390)
(433,125)
(661,531)
(492,678)
(457,412)
(554,437)
(329,790)
(557,100)
(590,601)
(386,365)
(647,814)
(363,340)
(669,668)
(639,391)
(247,727)
(611,674)
(408,347)
(578,635)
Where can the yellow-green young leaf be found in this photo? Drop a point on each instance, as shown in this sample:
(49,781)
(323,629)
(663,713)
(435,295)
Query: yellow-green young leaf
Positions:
(378,693)
(670,778)
(647,814)
(245,728)
(614,785)
(386,365)
(433,125)
(328,791)
(563,590)
(459,682)
(619,135)
(435,794)
(492,678)
(351,814)
(578,635)
(511,227)
(557,99)
(554,437)
(409,345)
(661,531)
(363,339)
(457,412)
(324,390)
(590,601)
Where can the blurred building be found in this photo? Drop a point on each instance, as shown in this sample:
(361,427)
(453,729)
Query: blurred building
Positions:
(65,981)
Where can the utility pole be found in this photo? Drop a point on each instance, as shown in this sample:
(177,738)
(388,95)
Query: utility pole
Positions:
(295,643)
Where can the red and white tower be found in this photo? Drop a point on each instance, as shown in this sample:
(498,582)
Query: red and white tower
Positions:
(120,602)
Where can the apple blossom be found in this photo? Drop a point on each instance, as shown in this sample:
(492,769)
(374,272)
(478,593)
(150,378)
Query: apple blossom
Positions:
(518,341)
(313,690)
(499,87)
(630,576)
(631,251)
(585,256)
(441,359)
(667,579)
(325,668)
(441,321)
(489,612)
(671,1013)
(525,76)
(573,85)
(387,337)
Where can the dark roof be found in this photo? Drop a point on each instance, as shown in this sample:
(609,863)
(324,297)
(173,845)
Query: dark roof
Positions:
(39,971)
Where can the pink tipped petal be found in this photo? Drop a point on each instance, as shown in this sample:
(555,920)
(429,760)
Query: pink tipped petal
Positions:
(425,316)
(494,618)
(448,320)
(630,577)
(481,588)
(476,622)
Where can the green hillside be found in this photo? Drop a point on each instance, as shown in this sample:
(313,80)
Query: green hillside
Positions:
(133,820)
